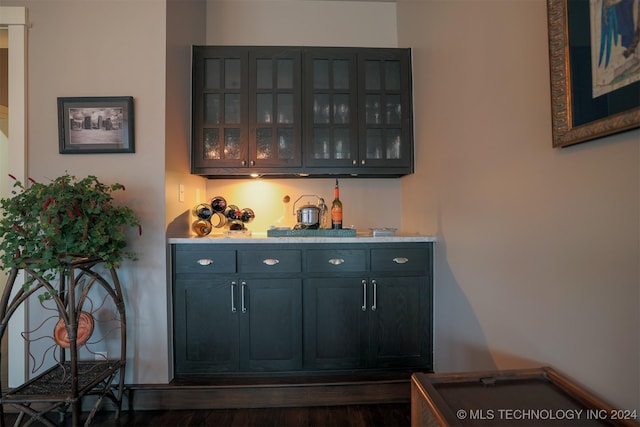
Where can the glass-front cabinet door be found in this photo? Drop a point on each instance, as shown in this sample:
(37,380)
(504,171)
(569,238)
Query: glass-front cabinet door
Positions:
(386,125)
(331,103)
(220,107)
(274,108)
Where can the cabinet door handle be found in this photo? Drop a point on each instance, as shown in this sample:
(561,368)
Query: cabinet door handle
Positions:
(252,163)
(243,163)
(354,162)
(401,260)
(374,307)
(233,298)
(336,261)
(270,261)
(243,286)
(205,261)
(364,295)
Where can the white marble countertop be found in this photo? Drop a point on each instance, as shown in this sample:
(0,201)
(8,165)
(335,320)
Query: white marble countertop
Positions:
(261,237)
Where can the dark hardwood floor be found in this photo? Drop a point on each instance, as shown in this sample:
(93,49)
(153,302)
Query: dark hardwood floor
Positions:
(391,415)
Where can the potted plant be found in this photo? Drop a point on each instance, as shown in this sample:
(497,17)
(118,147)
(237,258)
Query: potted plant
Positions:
(49,224)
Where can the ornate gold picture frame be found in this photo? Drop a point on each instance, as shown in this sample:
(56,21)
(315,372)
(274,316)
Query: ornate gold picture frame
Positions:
(578,116)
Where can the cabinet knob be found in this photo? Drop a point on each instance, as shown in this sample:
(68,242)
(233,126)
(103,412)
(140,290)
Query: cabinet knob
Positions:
(252,163)
(363,161)
(354,162)
(401,260)
(243,163)
(336,261)
(205,261)
(270,261)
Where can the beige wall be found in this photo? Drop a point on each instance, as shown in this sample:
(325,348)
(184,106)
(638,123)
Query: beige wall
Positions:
(537,257)
(79,48)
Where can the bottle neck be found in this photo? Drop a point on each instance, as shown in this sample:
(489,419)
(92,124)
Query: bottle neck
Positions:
(336,192)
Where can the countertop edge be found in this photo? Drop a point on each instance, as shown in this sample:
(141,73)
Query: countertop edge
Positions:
(263,239)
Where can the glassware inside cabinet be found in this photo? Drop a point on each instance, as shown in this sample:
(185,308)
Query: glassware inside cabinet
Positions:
(341,144)
(285,108)
(211,144)
(321,108)
(372,110)
(341,109)
(394,109)
(321,143)
(285,144)
(374,144)
(264,142)
(393,142)
(232,148)
(264,109)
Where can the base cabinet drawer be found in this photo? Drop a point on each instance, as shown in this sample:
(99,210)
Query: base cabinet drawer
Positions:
(336,260)
(200,259)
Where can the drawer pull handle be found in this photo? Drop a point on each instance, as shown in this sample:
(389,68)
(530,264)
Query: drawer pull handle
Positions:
(205,261)
(364,295)
(336,261)
(401,260)
(270,261)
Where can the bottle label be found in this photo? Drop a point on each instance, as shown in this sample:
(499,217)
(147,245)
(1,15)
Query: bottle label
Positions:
(336,215)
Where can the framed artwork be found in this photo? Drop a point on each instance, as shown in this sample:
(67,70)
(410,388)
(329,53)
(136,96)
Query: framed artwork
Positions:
(88,125)
(595,68)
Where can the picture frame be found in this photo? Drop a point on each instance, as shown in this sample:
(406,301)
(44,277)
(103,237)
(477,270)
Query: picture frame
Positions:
(579,113)
(91,125)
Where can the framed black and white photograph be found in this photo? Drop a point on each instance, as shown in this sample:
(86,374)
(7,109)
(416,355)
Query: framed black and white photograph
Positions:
(595,68)
(88,125)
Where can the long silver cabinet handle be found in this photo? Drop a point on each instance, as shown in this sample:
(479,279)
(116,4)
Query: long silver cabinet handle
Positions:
(205,261)
(400,260)
(270,261)
(374,307)
(243,286)
(336,261)
(364,295)
(233,298)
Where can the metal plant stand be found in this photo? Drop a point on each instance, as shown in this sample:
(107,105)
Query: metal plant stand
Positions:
(77,348)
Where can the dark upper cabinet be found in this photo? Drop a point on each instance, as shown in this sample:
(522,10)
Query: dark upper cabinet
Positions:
(220,108)
(331,108)
(286,111)
(274,108)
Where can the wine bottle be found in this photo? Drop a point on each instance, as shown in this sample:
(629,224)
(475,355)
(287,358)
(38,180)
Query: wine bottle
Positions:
(218,204)
(202,211)
(202,227)
(336,208)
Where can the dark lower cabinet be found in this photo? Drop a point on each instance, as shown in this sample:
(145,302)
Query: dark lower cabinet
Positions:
(336,326)
(302,308)
(228,325)
(367,323)
(206,330)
